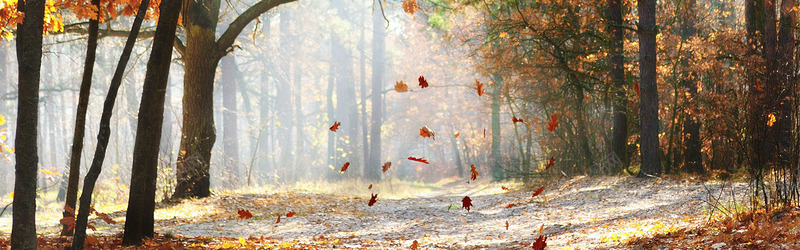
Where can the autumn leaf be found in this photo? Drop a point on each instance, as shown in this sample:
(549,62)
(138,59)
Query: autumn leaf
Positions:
(370,186)
(537,191)
(69,210)
(479,88)
(67,221)
(553,123)
(244,214)
(290,214)
(540,243)
(105,217)
(90,225)
(279,219)
(457,134)
(636,88)
(335,126)
(400,87)
(414,245)
(418,159)
(474,172)
(466,202)
(373,199)
(770,120)
(426,132)
(505,188)
(516,120)
(506,225)
(91,241)
(344,167)
(551,163)
(484,133)
(385,167)
(410,6)
(510,205)
(422,82)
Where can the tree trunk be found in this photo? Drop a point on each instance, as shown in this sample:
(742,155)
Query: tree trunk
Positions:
(139,219)
(284,102)
(692,158)
(496,161)
(80,121)
(362,65)
(787,186)
(29,58)
(346,106)
(105,131)
(299,163)
(331,113)
(378,60)
(582,132)
(648,115)
(619,139)
(230,135)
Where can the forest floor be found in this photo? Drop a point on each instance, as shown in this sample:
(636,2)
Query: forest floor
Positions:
(578,212)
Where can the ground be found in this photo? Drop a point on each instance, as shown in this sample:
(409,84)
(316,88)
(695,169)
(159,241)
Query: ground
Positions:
(578,212)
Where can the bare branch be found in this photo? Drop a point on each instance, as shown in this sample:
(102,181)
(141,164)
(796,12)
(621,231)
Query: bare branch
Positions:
(235,28)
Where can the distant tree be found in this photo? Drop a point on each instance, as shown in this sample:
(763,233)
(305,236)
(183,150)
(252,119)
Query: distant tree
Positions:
(29,56)
(648,114)
(619,140)
(692,158)
(378,61)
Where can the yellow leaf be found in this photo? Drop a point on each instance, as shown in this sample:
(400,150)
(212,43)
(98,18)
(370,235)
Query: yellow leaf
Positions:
(11,195)
(771,120)
(242,241)
(2,120)
(504,34)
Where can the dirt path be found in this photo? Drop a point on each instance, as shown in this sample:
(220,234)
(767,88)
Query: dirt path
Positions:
(577,213)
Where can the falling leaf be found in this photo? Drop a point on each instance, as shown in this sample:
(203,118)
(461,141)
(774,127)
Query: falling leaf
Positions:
(279,219)
(510,205)
(466,202)
(335,126)
(385,167)
(770,121)
(457,134)
(541,229)
(400,87)
(553,123)
(290,214)
(551,163)
(484,133)
(474,172)
(67,221)
(516,120)
(636,88)
(540,243)
(479,88)
(418,159)
(68,209)
(105,217)
(344,168)
(410,6)
(244,214)
(414,245)
(506,225)
(537,191)
(505,188)
(426,132)
(373,199)
(90,225)
(370,186)
(422,82)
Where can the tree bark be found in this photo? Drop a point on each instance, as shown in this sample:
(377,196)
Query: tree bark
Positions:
(648,115)
(372,172)
(105,131)
(139,219)
(230,135)
(29,58)
(619,139)
(284,101)
(497,168)
(692,158)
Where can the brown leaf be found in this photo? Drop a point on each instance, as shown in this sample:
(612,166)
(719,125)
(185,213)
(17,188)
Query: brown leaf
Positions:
(373,199)
(385,167)
(506,225)
(474,172)
(418,159)
(410,6)
(335,126)
(516,120)
(290,214)
(244,214)
(90,225)
(400,87)
(553,123)
(69,209)
(510,205)
(344,167)
(370,186)
(91,241)
(426,132)
(422,82)
(538,191)
(105,217)
(540,243)
(67,221)
(466,203)
(279,219)
(479,88)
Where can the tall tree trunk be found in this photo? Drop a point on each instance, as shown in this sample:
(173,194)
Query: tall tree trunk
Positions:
(754,24)
(787,186)
(648,115)
(230,135)
(692,158)
(299,163)
(619,139)
(362,65)
(284,102)
(29,58)
(80,121)
(105,131)
(346,106)
(496,161)
(372,172)
(139,219)
(582,132)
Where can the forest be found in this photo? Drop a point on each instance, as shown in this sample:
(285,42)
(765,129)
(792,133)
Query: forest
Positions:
(399,124)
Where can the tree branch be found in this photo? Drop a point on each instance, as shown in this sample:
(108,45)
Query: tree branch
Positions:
(235,28)
(179,46)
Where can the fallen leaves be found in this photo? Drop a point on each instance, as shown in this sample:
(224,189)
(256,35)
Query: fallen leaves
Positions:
(414,245)
(479,88)
(553,123)
(426,132)
(279,219)
(335,126)
(537,191)
(418,160)
(290,214)
(400,87)
(474,172)
(344,167)
(506,225)
(385,167)
(422,82)
(510,205)
(244,214)
(505,188)
(540,243)
(373,199)
(466,203)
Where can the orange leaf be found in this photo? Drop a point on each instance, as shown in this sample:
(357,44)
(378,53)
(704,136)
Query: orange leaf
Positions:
(553,123)
(479,88)
(400,87)
(244,214)
(70,210)
(506,225)
(426,132)
(335,126)
(551,163)
(385,167)
(474,173)
(505,188)
(415,245)
(457,134)
(419,160)
(373,199)
(422,82)
(344,168)
(410,6)
(466,202)
(540,243)
(537,191)
(290,214)
(67,221)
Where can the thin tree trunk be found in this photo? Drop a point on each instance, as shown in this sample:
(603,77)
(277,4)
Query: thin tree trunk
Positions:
(139,219)
(619,141)
(29,58)
(378,60)
(496,161)
(105,131)
(284,101)
(363,93)
(299,163)
(230,135)
(648,115)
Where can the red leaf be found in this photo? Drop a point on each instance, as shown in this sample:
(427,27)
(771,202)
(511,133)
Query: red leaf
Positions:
(540,243)
(385,167)
(479,88)
(68,221)
(335,126)
(537,191)
(506,225)
(484,133)
(415,245)
(422,82)
(510,205)
(373,199)
(426,132)
(344,168)
(244,214)
(370,186)
(279,219)
(466,202)
(636,88)
(505,188)
(474,173)
(553,123)
(516,120)
(419,160)
(551,163)
(290,214)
